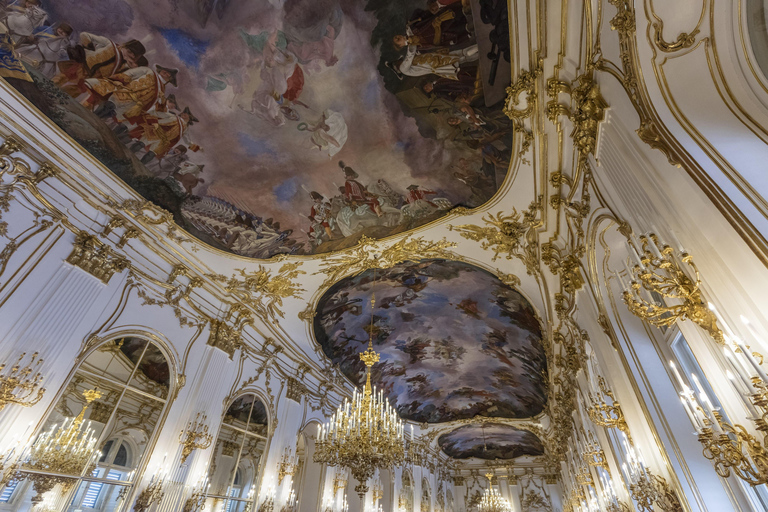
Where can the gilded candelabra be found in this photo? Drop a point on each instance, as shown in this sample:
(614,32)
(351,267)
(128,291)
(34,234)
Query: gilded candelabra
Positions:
(287,466)
(196,502)
(195,436)
(268,505)
(674,277)
(603,413)
(378,492)
(21,385)
(732,448)
(364,434)
(646,488)
(152,494)
(339,482)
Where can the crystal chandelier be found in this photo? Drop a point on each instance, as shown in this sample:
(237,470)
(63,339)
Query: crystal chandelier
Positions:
(492,500)
(365,433)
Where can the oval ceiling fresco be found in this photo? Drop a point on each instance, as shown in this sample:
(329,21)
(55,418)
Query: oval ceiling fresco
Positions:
(490,441)
(278,126)
(454,340)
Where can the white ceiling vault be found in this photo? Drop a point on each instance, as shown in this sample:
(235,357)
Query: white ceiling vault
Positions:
(578,179)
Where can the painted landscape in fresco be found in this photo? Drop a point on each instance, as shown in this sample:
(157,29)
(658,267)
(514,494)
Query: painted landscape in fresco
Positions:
(279,126)
(490,441)
(455,342)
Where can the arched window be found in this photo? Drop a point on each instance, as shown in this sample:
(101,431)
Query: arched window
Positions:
(426,496)
(235,467)
(118,393)
(405,501)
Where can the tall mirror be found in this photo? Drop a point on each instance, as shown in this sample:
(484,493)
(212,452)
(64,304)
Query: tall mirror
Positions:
(405,500)
(236,465)
(86,455)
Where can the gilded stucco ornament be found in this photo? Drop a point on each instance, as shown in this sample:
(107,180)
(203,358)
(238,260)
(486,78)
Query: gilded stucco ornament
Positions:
(649,131)
(509,235)
(587,113)
(684,39)
(96,258)
(367,255)
(525,84)
(263,290)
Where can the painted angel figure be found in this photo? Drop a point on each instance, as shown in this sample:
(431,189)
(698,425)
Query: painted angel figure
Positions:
(329,134)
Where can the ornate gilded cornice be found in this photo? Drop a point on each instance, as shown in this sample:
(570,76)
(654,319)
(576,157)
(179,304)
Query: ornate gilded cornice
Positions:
(510,235)
(525,83)
(96,258)
(263,290)
(367,255)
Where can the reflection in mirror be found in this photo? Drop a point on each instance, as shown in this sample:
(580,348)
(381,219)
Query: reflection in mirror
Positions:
(405,502)
(758,32)
(426,496)
(235,468)
(115,399)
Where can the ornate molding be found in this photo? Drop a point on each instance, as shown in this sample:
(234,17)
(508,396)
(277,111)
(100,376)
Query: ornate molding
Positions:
(295,390)
(224,337)
(684,39)
(96,258)
(366,255)
(263,291)
(509,235)
(525,83)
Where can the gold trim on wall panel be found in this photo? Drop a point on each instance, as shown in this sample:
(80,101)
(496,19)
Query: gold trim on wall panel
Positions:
(631,78)
(596,272)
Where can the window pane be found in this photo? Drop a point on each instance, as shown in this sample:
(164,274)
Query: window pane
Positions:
(225,456)
(115,359)
(8,490)
(92,494)
(250,462)
(238,506)
(101,496)
(153,375)
(121,459)
(105,450)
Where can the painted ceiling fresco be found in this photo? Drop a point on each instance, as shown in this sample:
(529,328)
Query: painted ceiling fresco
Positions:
(490,441)
(279,126)
(455,342)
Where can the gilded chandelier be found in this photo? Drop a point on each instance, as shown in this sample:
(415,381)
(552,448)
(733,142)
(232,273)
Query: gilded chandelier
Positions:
(66,450)
(492,500)
(365,433)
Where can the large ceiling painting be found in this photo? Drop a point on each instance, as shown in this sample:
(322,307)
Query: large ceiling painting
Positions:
(279,126)
(490,441)
(455,341)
